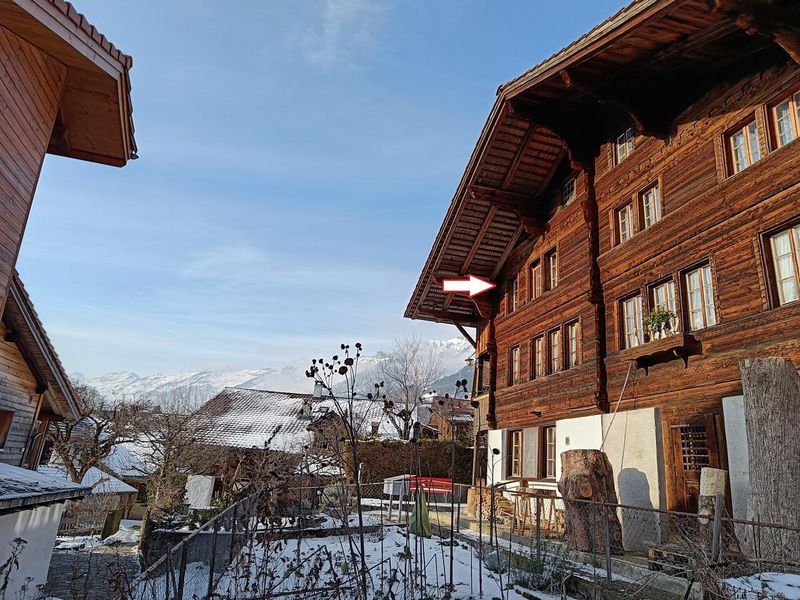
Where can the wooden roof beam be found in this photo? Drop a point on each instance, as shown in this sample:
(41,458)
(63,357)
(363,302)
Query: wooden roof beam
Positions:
(519,204)
(775,19)
(649,116)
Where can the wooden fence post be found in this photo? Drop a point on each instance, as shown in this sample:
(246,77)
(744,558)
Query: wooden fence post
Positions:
(213,559)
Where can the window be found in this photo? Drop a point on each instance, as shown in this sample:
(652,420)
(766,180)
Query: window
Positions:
(573,343)
(785,251)
(650,206)
(537,357)
(624,223)
(569,191)
(6,416)
(786,117)
(548,466)
(700,298)
(375,428)
(513,366)
(551,263)
(632,322)
(662,297)
(554,350)
(515,454)
(744,147)
(535,282)
(624,145)
(513,295)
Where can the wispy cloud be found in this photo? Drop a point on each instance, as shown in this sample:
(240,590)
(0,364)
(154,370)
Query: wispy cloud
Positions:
(345,28)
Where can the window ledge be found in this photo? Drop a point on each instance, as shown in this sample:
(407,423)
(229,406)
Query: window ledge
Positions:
(666,349)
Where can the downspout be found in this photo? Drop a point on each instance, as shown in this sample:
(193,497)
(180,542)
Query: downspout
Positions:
(592,219)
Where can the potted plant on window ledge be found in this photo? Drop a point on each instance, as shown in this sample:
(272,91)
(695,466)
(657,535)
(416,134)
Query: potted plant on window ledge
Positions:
(658,324)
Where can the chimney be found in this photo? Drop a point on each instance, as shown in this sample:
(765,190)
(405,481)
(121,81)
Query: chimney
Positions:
(319,390)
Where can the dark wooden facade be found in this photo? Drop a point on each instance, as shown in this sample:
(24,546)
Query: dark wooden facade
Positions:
(683,76)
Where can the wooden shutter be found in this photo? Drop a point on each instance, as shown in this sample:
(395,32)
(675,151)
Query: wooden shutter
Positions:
(530,453)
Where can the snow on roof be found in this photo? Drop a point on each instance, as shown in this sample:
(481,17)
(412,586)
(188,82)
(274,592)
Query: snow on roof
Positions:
(22,487)
(129,459)
(246,418)
(101,483)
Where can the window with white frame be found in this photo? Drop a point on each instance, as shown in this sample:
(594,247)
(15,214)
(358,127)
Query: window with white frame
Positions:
(513,295)
(786,120)
(623,146)
(554,350)
(632,322)
(624,223)
(573,343)
(744,146)
(513,365)
(785,251)
(549,452)
(650,205)
(515,454)
(537,352)
(701,309)
(569,191)
(535,281)
(551,262)
(662,296)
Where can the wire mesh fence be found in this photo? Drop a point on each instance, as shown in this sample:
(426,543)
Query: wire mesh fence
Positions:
(340,540)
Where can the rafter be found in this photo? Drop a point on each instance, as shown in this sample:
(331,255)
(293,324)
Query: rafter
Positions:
(776,19)
(519,204)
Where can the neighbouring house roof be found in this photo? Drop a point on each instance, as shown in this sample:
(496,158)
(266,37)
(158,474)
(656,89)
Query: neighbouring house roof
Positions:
(24,324)
(247,418)
(21,488)
(95,119)
(97,480)
(540,120)
(129,460)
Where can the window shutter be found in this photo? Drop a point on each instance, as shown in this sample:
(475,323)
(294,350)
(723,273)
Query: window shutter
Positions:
(530,451)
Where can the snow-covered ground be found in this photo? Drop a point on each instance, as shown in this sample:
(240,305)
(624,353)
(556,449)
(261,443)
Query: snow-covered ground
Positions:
(785,586)
(128,534)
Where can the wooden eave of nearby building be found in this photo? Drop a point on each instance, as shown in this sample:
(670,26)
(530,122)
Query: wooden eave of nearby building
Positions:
(644,66)
(95,119)
(28,333)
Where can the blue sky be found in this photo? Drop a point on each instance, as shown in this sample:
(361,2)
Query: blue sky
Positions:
(297,158)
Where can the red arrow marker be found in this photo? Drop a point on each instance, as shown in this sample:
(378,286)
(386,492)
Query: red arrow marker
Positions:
(473,285)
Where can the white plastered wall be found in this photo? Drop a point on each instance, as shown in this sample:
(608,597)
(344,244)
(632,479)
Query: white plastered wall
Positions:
(495,463)
(38,527)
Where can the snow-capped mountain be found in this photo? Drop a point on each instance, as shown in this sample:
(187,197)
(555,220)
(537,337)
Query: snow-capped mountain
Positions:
(205,384)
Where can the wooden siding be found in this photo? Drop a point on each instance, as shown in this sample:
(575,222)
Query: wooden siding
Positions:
(30,86)
(17,394)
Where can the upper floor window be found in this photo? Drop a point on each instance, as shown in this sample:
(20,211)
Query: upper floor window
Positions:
(569,191)
(662,298)
(515,454)
(786,120)
(744,147)
(513,365)
(551,263)
(632,322)
(536,281)
(623,146)
(6,416)
(624,223)
(548,467)
(573,331)
(700,298)
(513,295)
(554,350)
(650,206)
(785,251)
(537,356)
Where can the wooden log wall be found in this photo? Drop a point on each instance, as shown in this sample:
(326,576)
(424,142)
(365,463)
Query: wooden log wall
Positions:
(30,87)
(17,394)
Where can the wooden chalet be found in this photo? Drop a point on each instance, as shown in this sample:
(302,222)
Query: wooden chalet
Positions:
(636,197)
(64,89)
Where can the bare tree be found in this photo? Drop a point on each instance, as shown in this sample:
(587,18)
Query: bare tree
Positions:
(408,370)
(101,425)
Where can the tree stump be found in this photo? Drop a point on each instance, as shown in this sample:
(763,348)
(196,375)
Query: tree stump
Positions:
(586,480)
(771,389)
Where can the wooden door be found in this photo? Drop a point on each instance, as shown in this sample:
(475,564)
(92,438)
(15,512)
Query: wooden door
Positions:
(697,441)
